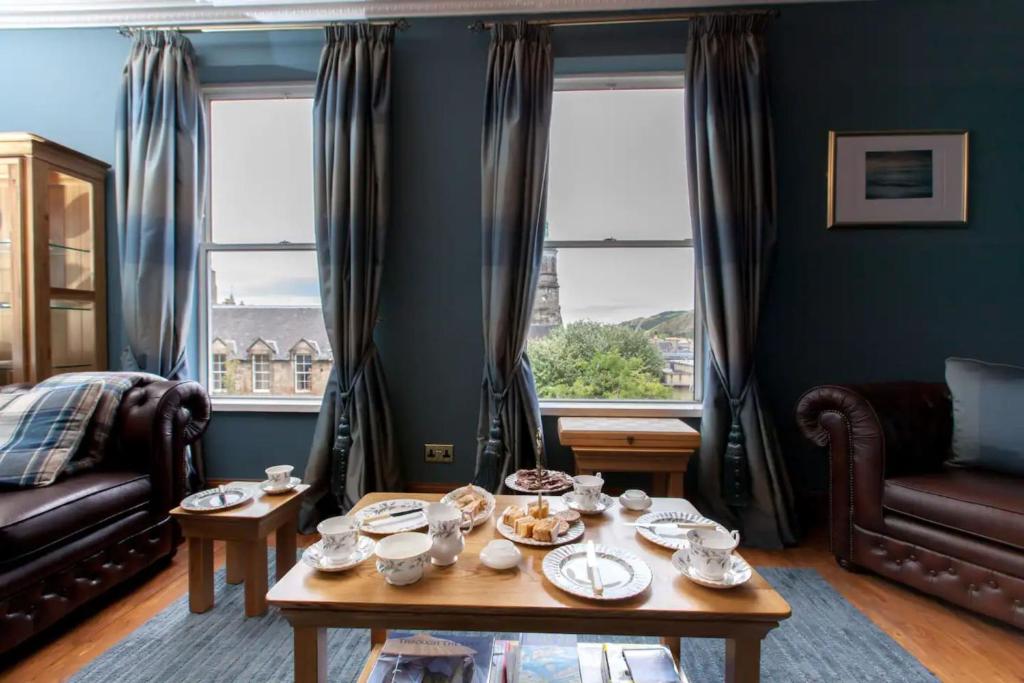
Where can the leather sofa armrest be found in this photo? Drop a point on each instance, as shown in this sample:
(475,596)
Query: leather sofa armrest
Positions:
(156,422)
(873,431)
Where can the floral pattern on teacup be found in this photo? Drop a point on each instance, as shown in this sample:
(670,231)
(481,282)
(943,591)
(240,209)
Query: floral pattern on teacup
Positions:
(404,571)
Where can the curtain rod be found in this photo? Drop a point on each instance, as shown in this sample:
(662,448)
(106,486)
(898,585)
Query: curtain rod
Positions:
(611,19)
(128,31)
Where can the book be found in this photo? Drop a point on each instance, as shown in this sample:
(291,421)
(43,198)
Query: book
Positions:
(650,665)
(411,657)
(607,663)
(548,659)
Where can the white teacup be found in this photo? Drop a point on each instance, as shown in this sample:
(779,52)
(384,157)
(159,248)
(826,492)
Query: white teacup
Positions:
(586,490)
(710,551)
(400,557)
(340,537)
(279,476)
(635,499)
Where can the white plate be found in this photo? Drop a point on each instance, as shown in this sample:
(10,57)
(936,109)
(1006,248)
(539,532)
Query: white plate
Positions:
(384,527)
(489,503)
(624,574)
(668,537)
(314,556)
(574,531)
(275,490)
(603,503)
(510,482)
(737,574)
(210,499)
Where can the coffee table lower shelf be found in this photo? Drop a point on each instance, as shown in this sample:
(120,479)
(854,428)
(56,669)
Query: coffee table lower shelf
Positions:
(370,661)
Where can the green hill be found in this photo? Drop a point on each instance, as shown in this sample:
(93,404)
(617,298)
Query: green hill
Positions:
(665,324)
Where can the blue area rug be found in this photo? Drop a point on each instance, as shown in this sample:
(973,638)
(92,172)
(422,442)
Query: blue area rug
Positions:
(826,639)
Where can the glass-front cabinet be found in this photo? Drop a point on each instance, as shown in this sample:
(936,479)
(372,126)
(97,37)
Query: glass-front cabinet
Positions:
(52,270)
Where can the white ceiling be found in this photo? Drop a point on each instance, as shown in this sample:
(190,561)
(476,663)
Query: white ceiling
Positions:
(81,13)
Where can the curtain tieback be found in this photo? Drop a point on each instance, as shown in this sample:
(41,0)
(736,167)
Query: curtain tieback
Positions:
(343,434)
(736,466)
(495,446)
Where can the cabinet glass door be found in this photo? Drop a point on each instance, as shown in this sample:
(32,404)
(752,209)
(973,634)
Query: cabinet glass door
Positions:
(10,229)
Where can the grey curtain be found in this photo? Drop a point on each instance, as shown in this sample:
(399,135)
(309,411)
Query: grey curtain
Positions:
(160,197)
(160,186)
(353,448)
(731,170)
(517,116)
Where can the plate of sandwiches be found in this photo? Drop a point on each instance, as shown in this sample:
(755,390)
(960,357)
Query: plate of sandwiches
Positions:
(536,525)
(472,499)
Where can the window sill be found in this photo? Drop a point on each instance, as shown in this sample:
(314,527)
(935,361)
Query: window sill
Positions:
(265,405)
(620,409)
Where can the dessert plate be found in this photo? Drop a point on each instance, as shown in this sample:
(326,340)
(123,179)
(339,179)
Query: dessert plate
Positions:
(314,556)
(603,503)
(738,573)
(668,537)
(564,483)
(574,531)
(267,487)
(414,516)
(484,514)
(215,500)
(623,574)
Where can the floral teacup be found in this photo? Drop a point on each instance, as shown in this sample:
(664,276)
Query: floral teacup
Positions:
(710,551)
(400,558)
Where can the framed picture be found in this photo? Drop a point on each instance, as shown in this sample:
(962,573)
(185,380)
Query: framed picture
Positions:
(897,178)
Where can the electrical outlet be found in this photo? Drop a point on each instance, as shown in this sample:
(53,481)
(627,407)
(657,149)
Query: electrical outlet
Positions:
(438,453)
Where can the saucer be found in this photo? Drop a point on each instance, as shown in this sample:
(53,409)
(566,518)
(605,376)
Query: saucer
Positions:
(272,490)
(737,574)
(603,503)
(314,556)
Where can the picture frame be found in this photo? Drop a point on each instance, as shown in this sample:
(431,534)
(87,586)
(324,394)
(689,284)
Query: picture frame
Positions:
(897,178)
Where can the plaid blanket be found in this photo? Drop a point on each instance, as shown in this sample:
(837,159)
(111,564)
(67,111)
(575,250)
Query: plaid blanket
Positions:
(60,426)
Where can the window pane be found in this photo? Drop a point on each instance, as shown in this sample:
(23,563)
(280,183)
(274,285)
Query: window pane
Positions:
(265,320)
(617,166)
(261,156)
(614,324)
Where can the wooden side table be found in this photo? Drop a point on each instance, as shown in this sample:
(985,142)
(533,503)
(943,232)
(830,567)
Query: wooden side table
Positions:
(660,446)
(245,530)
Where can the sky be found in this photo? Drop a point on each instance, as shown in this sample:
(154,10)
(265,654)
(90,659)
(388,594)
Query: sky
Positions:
(617,169)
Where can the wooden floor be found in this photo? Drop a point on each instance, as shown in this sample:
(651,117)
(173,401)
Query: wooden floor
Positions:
(954,644)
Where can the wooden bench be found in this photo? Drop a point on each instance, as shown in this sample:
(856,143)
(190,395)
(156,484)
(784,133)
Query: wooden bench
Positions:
(660,446)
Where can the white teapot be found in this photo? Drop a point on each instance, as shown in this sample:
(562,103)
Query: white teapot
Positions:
(446,524)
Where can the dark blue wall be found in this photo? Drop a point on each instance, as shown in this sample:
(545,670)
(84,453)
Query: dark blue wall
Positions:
(881,304)
(849,305)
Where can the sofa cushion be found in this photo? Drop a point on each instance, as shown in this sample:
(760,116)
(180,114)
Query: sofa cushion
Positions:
(975,502)
(987,402)
(37,519)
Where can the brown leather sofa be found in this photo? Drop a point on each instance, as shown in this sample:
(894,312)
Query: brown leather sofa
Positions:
(897,510)
(63,545)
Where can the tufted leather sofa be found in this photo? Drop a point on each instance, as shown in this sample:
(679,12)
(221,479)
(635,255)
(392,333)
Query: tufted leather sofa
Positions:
(895,508)
(63,545)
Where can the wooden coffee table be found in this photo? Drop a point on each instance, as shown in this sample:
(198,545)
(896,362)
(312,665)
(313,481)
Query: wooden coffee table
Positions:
(470,596)
(245,529)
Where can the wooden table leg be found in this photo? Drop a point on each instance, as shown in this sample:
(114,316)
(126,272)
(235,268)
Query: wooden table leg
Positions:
(285,535)
(659,484)
(256,578)
(378,636)
(743,660)
(236,562)
(200,574)
(672,643)
(675,485)
(310,654)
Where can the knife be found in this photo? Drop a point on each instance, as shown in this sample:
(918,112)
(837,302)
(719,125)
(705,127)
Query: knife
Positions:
(675,525)
(593,571)
(387,515)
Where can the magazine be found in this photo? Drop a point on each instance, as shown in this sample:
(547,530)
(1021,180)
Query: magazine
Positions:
(548,659)
(412,657)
